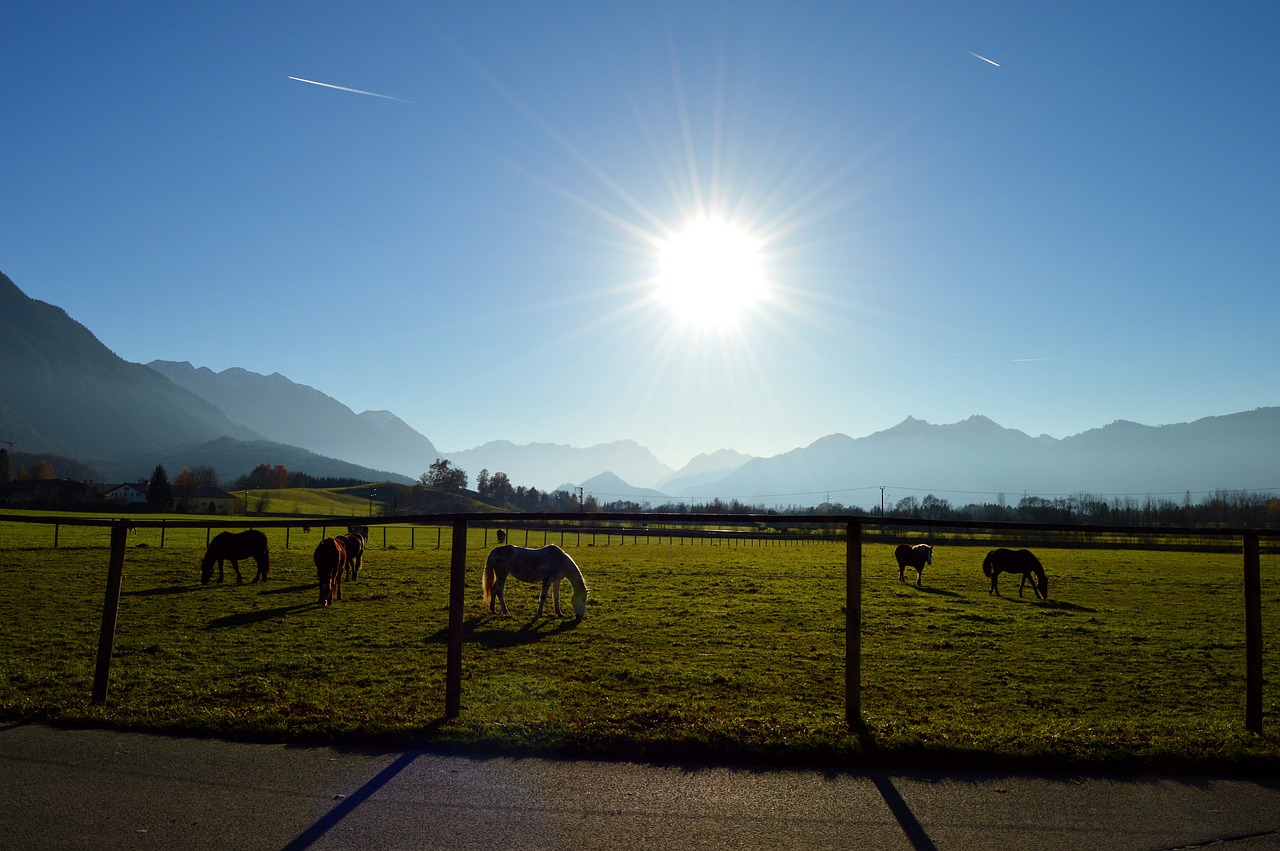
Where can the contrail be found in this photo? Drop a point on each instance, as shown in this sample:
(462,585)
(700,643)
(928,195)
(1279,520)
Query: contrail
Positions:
(970,52)
(359,91)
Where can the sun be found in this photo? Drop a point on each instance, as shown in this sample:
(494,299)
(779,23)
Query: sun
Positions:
(710,272)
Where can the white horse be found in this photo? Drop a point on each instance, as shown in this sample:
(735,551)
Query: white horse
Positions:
(547,565)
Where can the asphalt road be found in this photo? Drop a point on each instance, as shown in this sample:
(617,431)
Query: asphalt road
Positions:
(102,790)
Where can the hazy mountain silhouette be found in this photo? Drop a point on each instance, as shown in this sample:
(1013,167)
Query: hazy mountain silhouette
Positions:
(298,415)
(233,458)
(976,460)
(546,465)
(607,488)
(66,393)
(702,469)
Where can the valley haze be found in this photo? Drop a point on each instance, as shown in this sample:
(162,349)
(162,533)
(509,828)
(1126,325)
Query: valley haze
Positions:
(69,395)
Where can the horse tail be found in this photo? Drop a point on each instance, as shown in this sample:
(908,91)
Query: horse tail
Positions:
(987,567)
(490,578)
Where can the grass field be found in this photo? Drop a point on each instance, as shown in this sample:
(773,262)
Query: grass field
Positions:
(687,651)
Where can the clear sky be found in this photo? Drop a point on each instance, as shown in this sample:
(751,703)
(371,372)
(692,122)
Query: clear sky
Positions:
(1054,215)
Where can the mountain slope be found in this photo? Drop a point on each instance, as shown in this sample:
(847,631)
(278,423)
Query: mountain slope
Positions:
(546,466)
(298,415)
(234,458)
(976,460)
(67,393)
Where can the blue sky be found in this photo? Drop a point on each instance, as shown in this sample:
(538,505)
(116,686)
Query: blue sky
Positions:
(1080,230)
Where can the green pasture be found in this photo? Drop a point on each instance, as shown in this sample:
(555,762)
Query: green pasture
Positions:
(731,650)
(342,502)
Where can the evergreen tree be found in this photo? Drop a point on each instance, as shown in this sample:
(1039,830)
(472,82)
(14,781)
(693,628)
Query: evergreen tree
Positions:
(159,492)
(6,465)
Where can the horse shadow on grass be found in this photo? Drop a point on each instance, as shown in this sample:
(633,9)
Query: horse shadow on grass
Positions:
(249,618)
(926,589)
(289,589)
(536,629)
(163,590)
(1064,605)
(1059,605)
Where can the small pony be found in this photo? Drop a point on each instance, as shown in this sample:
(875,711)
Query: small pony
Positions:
(917,557)
(1016,561)
(234,547)
(353,542)
(547,565)
(330,558)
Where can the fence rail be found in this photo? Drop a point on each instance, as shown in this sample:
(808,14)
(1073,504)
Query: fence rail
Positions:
(852,528)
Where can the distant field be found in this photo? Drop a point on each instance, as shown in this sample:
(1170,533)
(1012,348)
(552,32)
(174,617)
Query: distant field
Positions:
(304,501)
(694,650)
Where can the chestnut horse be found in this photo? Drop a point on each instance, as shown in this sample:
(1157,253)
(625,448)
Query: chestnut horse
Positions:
(353,542)
(1016,561)
(547,565)
(917,557)
(235,547)
(330,558)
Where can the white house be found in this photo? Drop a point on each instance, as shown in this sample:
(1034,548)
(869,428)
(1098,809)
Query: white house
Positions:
(127,493)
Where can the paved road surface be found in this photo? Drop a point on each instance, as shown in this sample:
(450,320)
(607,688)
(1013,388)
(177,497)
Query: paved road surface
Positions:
(101,790)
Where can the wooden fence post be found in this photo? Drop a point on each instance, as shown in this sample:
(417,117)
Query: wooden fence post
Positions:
(453,655)
(1252,634)
(110,609)
(853,628)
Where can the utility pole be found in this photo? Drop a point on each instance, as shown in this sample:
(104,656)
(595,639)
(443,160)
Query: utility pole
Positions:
(882,500)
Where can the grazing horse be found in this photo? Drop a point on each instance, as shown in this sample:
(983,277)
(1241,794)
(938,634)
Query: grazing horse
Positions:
(1016,561)
(353,542)
(917,557)
(235,547)
(547,565)
(330,558)
(502,536)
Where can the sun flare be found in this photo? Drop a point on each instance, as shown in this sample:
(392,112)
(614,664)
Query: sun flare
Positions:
(710,272)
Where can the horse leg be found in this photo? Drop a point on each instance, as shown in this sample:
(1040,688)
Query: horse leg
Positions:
(498,587)
(219,570)
(1022,584)
(994,589)
(902,569)
(555,591)
(542,598)
(235,565)
(919,575)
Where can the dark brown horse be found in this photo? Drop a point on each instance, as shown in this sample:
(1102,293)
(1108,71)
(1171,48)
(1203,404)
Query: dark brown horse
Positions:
(917,557)
(1016,561)
(353,542)
(235,547)
(330,558)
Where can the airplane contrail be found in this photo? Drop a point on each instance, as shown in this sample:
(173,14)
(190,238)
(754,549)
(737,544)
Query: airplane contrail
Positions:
(353,91)
(983,58)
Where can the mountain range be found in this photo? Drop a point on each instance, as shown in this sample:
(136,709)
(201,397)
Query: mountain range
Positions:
(68,394)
